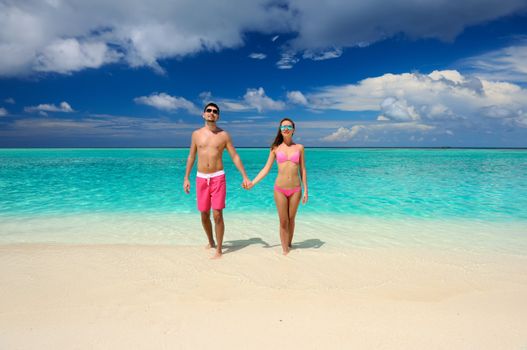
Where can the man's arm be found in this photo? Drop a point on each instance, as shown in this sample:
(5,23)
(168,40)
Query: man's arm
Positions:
(190,163)
(236,160)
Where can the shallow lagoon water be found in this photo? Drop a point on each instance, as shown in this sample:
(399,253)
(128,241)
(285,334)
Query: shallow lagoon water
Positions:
(357,196)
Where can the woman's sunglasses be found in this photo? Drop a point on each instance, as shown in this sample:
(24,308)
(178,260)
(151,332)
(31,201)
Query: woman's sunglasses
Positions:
(286,127)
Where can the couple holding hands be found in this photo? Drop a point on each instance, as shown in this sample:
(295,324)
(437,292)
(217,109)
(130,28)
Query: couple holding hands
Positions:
(210,141)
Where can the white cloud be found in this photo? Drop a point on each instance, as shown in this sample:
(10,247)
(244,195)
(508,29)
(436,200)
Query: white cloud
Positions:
(234,106)
(10,100)
(521,121)
(498,112)
(346,134)
(507,64)
(356,23)
(70,55)
(253,99)
(394,109)
(225,104)
(99,126)
(297,97)
(67,36)
(3,112)
(438,96)
(258,56)
(256,117)
(256,98)
(447,76)
(275,38)
(322,55)
(287,60)
(64,107)
(205,96)
(166,102)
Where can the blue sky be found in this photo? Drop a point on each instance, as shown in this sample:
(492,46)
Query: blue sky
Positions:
(350,73)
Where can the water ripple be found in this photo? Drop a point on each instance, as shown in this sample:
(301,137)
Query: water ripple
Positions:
(480,184)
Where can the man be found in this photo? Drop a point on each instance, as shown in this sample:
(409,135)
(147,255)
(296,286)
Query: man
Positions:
(210,141)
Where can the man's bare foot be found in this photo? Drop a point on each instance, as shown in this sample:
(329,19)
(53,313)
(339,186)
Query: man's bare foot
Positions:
(208,246)
(216,255)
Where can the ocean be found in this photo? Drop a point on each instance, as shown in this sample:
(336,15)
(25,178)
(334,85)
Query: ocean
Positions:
(449,198)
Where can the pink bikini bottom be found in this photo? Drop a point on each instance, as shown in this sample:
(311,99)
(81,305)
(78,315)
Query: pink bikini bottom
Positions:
(288,192)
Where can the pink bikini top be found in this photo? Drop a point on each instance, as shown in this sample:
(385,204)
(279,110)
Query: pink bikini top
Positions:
(282,157)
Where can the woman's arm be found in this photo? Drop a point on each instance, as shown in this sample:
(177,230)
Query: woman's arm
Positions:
(265,170)
(303,173)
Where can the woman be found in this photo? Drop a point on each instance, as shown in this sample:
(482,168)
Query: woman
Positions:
(291,171)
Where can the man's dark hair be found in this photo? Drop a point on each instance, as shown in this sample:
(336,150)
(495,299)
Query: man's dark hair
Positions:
(213,105)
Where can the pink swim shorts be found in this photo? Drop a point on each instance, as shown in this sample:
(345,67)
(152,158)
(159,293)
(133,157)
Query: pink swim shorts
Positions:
(211,190)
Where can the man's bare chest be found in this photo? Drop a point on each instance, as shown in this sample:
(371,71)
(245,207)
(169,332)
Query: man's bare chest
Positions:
(212,143)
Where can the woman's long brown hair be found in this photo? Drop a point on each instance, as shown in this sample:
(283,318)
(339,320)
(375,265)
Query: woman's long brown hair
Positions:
(279,138)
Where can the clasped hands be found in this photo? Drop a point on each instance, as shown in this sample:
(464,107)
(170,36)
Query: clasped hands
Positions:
(247,184)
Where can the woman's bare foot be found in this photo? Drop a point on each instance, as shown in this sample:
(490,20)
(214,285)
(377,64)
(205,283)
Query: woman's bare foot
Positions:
(210,245)
(285,252)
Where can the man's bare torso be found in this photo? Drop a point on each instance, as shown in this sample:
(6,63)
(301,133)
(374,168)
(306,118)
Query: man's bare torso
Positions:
(210,146)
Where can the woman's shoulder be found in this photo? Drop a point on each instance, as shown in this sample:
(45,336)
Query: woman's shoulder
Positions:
(299,147)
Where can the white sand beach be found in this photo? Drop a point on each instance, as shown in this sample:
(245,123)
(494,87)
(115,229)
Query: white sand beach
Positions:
(164,297)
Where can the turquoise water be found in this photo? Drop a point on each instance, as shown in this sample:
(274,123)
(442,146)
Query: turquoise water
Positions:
(390,183)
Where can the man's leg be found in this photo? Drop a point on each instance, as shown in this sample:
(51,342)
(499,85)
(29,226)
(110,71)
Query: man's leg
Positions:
(218,194)
(219,227)
(203,197)
(207,226)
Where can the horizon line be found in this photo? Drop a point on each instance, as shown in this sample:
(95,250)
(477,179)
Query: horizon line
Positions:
(266,147)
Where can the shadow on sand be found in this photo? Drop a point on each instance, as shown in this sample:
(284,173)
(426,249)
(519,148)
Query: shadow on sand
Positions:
(232,246)
(313,243)
(235,245)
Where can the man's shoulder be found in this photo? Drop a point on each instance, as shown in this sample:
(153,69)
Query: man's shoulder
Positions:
(199,132)
(218,134)
(221,133)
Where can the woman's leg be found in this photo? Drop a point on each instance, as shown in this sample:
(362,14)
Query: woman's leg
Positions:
(294,201)
(282,206)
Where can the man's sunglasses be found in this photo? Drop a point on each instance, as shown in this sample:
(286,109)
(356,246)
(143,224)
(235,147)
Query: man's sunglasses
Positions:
(210,110)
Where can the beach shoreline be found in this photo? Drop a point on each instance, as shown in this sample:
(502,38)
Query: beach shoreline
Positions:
(262,229)
(122,296)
